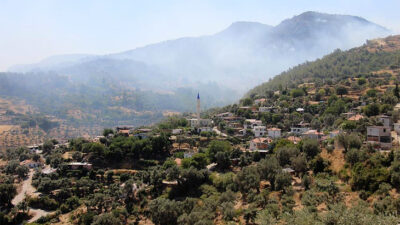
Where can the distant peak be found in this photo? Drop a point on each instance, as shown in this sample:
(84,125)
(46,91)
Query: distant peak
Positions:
(240,27)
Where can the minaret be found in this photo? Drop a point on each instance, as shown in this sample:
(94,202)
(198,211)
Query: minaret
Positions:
(198,108)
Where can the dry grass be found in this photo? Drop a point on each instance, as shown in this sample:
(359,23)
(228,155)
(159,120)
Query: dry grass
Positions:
(336,159)
(5,128)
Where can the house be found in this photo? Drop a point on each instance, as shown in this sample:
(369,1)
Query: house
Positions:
(97,138)
(300,110)
(356,117)
(251,123)
(266,109)
(30,163)
(348,115)
(259,131)
(204,129)
(313,134)
(211,167)
(260,144)
(294,139)
(33,148)
(300,128)
(124,130)
(259,101)
(274,132)
(176,131)
(200,123)
(397,127)
(397,107)
(232,119)
(289,171)
(224,115)
(234,125)
(48,171)
(334,133)
(79,165)
(379,135)
(142,133)
(386,121)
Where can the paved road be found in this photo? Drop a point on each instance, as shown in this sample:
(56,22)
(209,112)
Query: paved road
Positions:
(28,189)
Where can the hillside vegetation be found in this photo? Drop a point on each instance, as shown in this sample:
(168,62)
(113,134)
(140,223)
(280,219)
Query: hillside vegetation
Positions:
(375,55)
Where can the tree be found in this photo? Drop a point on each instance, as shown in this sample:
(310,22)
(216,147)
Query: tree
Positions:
(341,90)
(310,148)
(354,156)
(299,164)
(110,175)
(349,141)
(164,211)
(285,154)
(7,193)
(22,171)
(396,91)
(318,165)
(23,205)
(248,178)
(106,219)
(216,146)
(11,167)
(269,168)
(48,146)
(282,181)
(247,102)
(107,132)
(297,93)
(368,176)
(361,81)
(223,160)
(371,109)
(306,181)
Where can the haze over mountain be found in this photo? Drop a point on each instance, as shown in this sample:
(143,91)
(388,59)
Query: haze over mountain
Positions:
(139,84)
(239,57)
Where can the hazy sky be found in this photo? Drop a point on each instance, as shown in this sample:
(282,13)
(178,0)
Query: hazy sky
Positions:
(31,30)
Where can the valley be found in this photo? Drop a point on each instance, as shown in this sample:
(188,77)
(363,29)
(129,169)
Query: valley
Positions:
(318,144)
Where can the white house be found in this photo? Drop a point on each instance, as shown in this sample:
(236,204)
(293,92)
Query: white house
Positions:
(274,132)
(397,127)
(266,109)
(176,131)
(224,115)
(334,133)
(386,121)
(259,131)
(251,123)
(204,129)
(313,134)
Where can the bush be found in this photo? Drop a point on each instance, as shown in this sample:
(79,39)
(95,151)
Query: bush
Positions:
(44,203)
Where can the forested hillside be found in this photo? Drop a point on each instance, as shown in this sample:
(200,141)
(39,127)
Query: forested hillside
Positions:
(373,56)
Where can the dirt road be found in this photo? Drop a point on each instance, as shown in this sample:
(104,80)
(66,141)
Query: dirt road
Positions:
(28,189)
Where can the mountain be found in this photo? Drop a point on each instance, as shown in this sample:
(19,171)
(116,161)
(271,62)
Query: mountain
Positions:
(138,86)
(237,58)
(378,56)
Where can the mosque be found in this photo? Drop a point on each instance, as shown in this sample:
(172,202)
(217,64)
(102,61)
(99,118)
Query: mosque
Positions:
(200,124)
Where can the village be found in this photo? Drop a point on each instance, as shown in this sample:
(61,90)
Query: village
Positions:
(297,149)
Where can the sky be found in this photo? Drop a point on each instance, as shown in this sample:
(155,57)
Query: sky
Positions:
(31,30)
